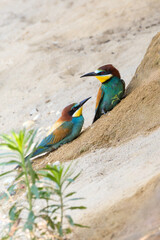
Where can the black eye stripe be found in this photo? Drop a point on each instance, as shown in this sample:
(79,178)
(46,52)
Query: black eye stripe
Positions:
(74,109)
(102,73)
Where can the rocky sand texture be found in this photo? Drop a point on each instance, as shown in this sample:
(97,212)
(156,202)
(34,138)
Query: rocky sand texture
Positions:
(138,113)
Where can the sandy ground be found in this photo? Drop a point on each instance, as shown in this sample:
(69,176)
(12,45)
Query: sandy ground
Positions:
(45,47)
(113,174)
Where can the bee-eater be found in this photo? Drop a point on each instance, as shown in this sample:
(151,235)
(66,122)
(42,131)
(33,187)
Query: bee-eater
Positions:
(111,91)
(64,130)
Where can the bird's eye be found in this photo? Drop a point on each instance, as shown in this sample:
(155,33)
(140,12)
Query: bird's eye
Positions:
(102,73)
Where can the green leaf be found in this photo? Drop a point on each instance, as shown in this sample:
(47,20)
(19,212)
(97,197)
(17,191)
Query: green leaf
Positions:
(60,172)
(77,207)
(44,194)
(75,199)
(52,178)
(48,220)
(68,230)
(27,135)
(31,134)
(70,180)
(70,220)
(81,226)
(59,228)
(35,191)
(67,169)
(57,175)
(11,189)
(10,146)
(70,194)
(5,173)
(16,139)
(31,172)
(7,138)
(18,213)
(51,168)
(55,209)
(51,206)
(50,211)
(12,213)
(8,155)
(30,221)
(21,137)
(10,163)
(19,176)
(58,192)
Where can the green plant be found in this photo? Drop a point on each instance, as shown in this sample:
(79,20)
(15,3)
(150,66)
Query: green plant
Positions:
(15,148)
(49,185)
(61,198)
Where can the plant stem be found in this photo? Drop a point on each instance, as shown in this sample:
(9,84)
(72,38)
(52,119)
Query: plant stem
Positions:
(27,183)
(29,191)
(61,200)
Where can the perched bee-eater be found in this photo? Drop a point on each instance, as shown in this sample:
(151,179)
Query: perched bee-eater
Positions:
(64,130)
(111,91)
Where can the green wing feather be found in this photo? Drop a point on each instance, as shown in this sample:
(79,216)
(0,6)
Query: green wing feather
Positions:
(54,138)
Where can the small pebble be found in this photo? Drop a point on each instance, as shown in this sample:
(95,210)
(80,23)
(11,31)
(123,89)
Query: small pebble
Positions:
(41,129)
(33,111)
(48,100)
(28,124)
(36,117)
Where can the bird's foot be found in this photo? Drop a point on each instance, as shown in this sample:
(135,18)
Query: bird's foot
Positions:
(103,112)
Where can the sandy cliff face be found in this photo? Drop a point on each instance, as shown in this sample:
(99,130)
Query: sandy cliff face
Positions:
(133,218)
(138,113)
(149,69)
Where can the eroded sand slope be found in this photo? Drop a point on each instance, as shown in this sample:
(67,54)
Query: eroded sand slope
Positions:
(138,113)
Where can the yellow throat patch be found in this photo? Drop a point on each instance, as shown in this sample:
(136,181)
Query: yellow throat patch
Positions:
(103,79)
(78,113)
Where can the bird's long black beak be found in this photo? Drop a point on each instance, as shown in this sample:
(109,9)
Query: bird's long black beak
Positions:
(89,74)
(83,102)
(78,106)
